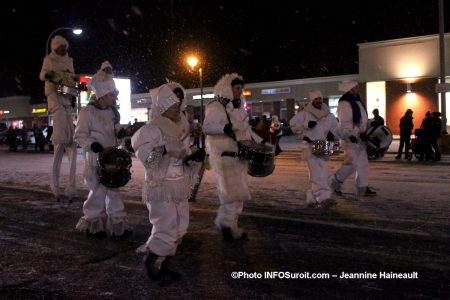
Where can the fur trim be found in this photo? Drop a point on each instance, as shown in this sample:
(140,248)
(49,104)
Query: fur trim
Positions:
(223,86)
(57,41)
(92,226)
(173,85)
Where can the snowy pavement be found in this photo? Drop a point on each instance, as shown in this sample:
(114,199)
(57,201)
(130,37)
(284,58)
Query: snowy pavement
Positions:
(406,227)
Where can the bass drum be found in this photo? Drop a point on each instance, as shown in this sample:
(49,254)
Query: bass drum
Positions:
(113,167)
(379,138)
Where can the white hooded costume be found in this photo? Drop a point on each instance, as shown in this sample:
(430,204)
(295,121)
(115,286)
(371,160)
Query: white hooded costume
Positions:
(161,145)
(60,106)
(355,153)
(230,173)
(317,165)
(101,126)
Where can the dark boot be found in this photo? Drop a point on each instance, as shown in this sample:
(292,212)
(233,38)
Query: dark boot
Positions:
(153,265)
(166,271)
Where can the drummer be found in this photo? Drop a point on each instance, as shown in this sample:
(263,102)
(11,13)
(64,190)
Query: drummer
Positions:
(353,120)
(314,123)
(58,67)
(226,122)
(97,128)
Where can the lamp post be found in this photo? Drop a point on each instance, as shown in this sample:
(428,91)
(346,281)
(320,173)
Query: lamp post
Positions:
(442,64)
(76,31)
(193,62)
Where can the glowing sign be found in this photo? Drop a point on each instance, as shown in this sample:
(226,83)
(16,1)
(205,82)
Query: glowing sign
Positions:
(247,93)
(124,98)
(39,110)
(4,112)
(283,90)
(205,96)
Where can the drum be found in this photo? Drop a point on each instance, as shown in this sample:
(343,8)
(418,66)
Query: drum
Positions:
(325,148)
(379,138)
(261,158)
(67,90)
(68,86)
(113,167)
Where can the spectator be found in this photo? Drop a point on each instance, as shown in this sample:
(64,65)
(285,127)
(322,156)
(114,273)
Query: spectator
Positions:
(406,127)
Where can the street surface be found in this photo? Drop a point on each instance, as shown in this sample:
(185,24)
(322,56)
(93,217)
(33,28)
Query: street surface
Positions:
(404,229)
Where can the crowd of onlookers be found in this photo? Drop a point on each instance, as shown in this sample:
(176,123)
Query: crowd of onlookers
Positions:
(37,136)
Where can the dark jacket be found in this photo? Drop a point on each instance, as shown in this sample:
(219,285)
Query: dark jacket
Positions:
(406,125)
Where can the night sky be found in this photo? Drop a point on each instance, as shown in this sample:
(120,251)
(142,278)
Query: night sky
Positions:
(147,40)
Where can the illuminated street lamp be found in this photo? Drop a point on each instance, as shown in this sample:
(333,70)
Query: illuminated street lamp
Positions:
(76,31)
(193,61)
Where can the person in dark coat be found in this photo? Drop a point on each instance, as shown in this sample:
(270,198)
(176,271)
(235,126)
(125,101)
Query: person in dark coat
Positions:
(11,137)
(436,133)
(406,127)
(377,119)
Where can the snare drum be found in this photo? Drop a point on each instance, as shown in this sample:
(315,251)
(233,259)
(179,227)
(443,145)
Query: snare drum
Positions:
(67,90)
(68,86)
(261,158)
(325,148)
(113,167)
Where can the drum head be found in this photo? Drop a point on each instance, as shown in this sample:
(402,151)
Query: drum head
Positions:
(378,139)
(113,168)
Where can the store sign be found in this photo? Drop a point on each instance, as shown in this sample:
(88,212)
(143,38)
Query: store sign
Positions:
(4,112)
(442,87)
(39,110)
(205,96)
(283,90)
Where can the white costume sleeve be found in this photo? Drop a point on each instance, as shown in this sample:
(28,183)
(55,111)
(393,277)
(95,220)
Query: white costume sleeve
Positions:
(215,120)
(335,129)
(70,66)
(147,144)
(297,123)
(46,67)
(83,131)
(345,115)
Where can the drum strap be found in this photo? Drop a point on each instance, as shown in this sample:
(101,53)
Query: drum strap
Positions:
(224,104)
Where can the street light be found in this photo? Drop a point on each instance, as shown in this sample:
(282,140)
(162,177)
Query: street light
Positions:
(76,31)
(193,61)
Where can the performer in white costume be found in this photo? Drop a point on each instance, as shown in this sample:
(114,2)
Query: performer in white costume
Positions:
(314,123)
(353,120)
(226,122)
(57,67)
(97,128)
(162,145)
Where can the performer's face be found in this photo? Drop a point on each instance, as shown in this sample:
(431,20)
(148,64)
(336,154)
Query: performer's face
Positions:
(237,91)
(109,100)
(61,50)
(173,113)
(107,70)
(317,102)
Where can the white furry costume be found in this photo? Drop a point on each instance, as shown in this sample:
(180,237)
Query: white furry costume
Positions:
(355,159)
(168,181)
(61,109)
(99,125)
(317,165)
(230,173)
